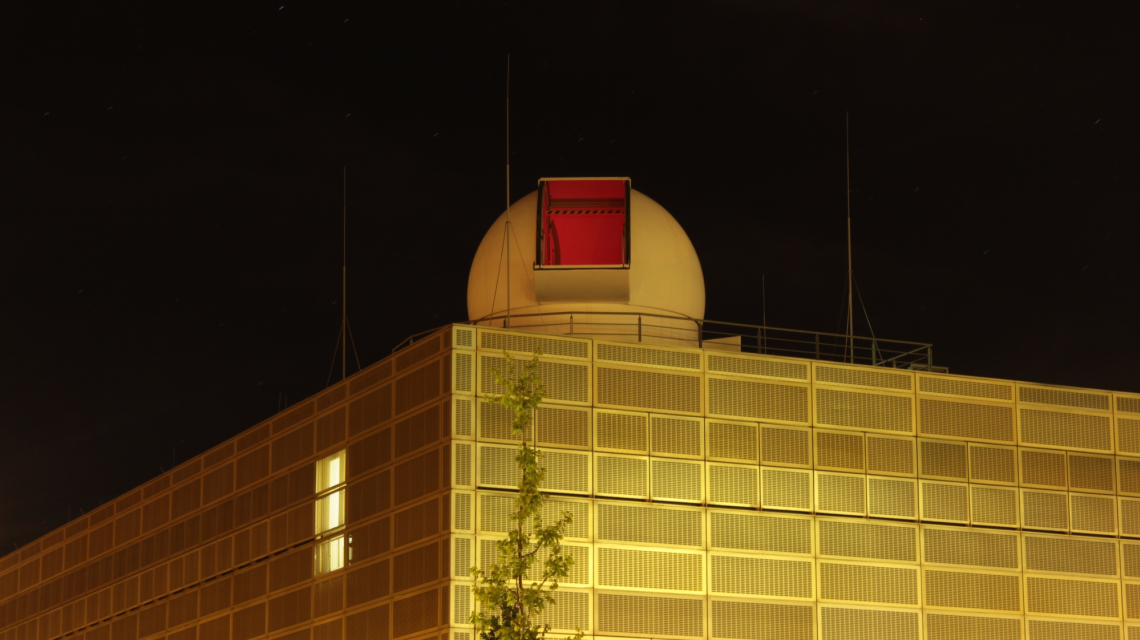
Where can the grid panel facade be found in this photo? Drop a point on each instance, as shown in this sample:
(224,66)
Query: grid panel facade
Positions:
(945,503)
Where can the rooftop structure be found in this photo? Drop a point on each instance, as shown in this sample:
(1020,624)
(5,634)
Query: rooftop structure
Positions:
(720,490)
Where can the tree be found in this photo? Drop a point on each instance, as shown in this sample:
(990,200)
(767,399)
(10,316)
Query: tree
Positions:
(515,590)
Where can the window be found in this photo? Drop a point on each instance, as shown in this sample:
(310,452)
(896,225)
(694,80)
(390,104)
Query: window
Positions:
(329,514)
(330,472)
(329,556)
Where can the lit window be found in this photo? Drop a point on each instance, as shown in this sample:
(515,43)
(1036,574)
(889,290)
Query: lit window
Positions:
(330,472)
(329,515)
(329,555)
(330,512)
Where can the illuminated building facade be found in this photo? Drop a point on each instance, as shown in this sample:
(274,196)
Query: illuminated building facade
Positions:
(716,493)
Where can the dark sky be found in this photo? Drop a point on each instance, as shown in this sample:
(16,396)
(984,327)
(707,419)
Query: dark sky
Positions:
(171,185)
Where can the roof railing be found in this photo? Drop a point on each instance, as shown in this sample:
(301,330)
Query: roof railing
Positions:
(718,335)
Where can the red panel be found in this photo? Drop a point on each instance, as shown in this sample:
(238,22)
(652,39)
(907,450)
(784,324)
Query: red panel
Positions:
(586,238)
(586,189)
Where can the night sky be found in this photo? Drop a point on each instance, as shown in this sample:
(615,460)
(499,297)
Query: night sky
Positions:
(172,181)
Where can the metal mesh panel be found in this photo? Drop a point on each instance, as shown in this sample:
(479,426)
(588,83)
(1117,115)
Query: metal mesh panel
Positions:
(1045,510)
(650,615)
(1063,398)
(370,624)
(529,343)
(624,432)
(415,613)
(862,410)
(1129,517)
(841,451)
(464,372)
(892,497)
(759,532)
(415,567)
(563,381)
(1061,596)
(840,493)
(734,485)
(215,596)
(945,502)
(1059,630)
(464,558)
(1067,430)
(785,489)
(676,436)
(868,583)
(368,583)
(490,552)
(1091,473)
(290,448)
(1069,554)
(758,400)
(1043,468)
(463,518)
(890,455)
(872,541)
(1092,514)
(945,626)
(461,604)
(464,464)
(216,629)
(653,390)
(761,620)
(940,459)
(649,356)
(733,441)
(966,420)
(563,426)
(370,376)
(649,524)
(993,506)
(960,590)
(463,420)
(370,410)
(290,609)
(785,446)
(1128,435)
(421,351)
(464,337)
(415,523)
(841,623)
(993,464)
(945,385)
(622,476)
(416,388)
(758,367)
(984,549)
(676,480)
(1132,601)
(495,510)
(569,611)
(328,597)
(753,576)
(495,423)
(331,630)
(864,377)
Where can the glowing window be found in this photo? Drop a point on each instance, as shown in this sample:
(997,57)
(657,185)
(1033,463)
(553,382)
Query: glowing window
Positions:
(329,555)
(331,472)
(330,512)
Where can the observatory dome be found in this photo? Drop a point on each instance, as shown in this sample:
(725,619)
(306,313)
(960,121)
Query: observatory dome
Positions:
(554,270)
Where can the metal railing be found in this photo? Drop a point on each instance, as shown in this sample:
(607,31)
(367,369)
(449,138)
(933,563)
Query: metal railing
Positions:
(716,334)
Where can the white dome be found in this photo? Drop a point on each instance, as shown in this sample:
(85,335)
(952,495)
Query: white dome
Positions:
(664,274)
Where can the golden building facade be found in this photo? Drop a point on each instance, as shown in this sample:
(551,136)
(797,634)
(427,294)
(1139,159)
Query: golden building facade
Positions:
(715,494)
